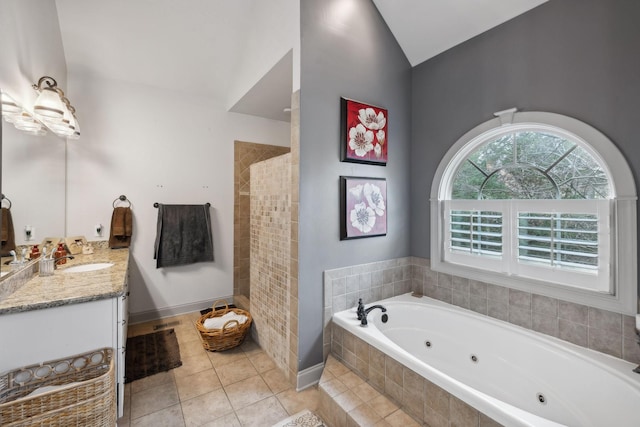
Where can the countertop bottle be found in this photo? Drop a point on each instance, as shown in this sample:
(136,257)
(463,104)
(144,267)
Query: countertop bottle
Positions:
(59,253)
(35,252)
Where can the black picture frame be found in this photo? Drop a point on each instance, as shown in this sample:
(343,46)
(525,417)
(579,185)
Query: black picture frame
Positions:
(368,124)
(363,207)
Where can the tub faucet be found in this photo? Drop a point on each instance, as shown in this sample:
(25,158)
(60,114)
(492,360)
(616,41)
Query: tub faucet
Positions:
(360,310)
(363,320)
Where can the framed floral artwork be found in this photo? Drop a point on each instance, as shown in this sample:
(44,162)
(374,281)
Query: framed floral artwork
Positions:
(363,132)
(363,207)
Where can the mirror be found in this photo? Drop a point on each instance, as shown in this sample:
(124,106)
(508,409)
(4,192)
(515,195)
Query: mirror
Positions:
(33,168)
(34,180)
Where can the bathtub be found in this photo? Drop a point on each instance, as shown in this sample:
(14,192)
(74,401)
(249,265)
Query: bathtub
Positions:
(513,375)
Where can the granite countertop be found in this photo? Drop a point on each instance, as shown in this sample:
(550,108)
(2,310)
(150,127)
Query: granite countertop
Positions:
(72,288)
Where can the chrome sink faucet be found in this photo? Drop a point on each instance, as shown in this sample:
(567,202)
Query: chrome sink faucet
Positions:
(363,312)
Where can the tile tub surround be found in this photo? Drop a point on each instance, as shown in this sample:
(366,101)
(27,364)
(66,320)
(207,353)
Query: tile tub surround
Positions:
(348,400)
(62,289)
(371,282)
(362,377)
(594,328)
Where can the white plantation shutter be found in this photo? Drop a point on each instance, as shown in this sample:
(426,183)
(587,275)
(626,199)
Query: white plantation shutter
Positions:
(475,233)
(560,241)
(564,241)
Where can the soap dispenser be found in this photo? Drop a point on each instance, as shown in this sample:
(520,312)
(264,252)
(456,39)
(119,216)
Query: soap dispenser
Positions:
(35,252)
(59,254)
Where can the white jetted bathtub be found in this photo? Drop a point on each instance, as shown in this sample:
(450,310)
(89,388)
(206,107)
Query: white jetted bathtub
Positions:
(516,376)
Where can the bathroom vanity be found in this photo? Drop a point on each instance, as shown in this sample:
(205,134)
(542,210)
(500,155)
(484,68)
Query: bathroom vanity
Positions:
(68,313)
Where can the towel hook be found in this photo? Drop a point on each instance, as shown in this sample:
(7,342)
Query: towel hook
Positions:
(3,198)
(122,198)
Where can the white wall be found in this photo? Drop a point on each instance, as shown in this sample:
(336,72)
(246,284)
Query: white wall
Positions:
(159,146)
(272,30)
(30,47)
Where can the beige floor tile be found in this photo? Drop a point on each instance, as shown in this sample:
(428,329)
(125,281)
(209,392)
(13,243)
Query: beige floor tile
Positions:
(244,393)
(169,417)
(295,401)
(263,413)
(153,399)
(276,380)
(363,415)
(365,392)
(230,420)
(348,400)
(249,346)
(334,387)
(244,378)
(206,408)
(221,358)
(326,376)
(192,364)
(351,380)
(187,329)
(151,381)
(400,418)
(335,367)
(261,361)
(187,337)
(191,348)
(199,383)
(383,406)
(237,371)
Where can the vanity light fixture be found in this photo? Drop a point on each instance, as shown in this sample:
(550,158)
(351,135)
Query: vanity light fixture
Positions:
(22,120)
(54,109)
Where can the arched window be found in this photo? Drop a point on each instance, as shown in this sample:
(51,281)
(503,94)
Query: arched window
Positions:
(540,202)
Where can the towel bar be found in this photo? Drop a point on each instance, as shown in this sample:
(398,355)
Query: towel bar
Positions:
(156,204)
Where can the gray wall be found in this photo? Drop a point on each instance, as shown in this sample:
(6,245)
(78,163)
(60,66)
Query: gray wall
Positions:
(351,53)
(580,58)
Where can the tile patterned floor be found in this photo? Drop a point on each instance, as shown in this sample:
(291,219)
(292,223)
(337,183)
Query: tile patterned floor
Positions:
(235,388)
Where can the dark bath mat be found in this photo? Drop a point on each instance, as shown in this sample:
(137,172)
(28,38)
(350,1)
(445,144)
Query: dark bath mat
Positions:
(151,354)
(209,310)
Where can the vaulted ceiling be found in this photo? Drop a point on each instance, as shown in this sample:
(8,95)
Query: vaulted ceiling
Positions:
(196,46)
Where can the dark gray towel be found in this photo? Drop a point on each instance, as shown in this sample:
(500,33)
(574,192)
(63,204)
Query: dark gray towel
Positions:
(184,235)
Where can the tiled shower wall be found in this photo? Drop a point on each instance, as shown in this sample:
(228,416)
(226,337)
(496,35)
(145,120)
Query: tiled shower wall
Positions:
(245,154)
(270,256)
(594,328)
(295,197)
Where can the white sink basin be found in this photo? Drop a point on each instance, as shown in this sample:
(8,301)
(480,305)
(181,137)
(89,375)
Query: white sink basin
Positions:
(83,268)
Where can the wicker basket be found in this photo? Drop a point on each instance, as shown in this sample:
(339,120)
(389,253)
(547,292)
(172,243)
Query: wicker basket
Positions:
(231,334)
(85,396)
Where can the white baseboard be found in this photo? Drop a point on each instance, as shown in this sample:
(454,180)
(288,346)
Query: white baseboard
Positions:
(309,377)
(161,313)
